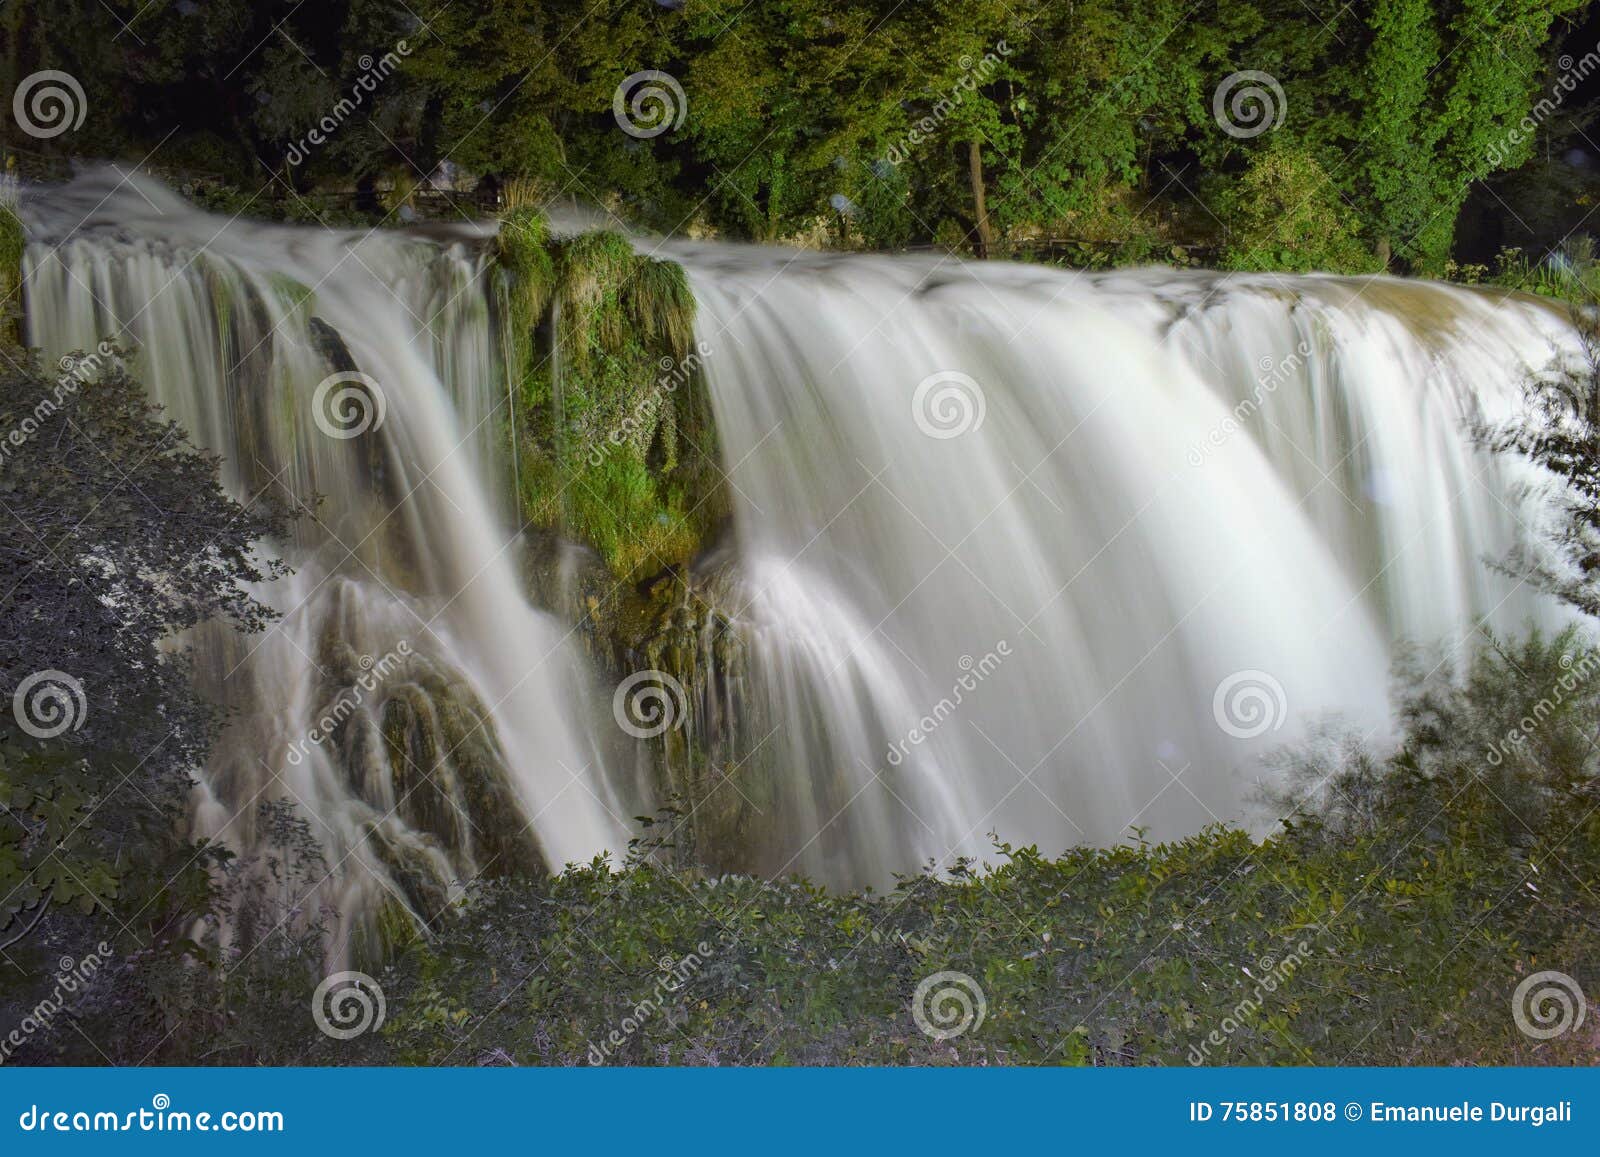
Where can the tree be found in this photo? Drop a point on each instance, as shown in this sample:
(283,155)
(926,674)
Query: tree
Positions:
(1285,214)
(120,539)
(1439,97)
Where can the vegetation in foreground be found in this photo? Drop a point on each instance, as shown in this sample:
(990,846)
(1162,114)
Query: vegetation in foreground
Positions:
(1389,921)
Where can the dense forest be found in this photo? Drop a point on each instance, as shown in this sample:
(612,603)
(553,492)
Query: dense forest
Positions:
(1254,134)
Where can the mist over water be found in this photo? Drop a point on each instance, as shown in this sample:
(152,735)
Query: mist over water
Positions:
(1016,550)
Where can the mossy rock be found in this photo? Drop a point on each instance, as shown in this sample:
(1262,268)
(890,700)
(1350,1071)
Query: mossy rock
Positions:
(12,243)
(616,443)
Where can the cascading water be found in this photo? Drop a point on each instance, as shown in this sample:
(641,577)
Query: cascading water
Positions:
(1051,555)
(457,744)
(1016,550)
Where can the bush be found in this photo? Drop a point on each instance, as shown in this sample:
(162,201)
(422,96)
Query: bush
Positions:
(1284,214)
(1388,921)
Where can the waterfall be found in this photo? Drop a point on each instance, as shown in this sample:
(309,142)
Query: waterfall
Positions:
(1198,512)
(1016,550)
(459,743)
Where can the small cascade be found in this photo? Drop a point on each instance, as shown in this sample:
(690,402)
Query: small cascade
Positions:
(427,721)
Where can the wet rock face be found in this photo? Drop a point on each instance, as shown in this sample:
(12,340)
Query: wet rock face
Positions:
(673,651)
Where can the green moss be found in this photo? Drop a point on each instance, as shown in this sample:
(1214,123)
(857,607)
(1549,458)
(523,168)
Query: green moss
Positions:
(12,243)
(616,444)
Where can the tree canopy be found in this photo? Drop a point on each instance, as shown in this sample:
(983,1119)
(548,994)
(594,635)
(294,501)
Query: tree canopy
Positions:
(883,124)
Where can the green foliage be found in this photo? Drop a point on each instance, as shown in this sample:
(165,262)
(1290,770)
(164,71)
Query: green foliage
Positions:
(1559,430)
(11,249)
(820,120)
(1387,921)
(130,541)
(1285,214)
(617,444)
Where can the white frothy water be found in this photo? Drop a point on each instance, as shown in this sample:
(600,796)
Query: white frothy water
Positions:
(1198,511)
(410,549)
(1018,550)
